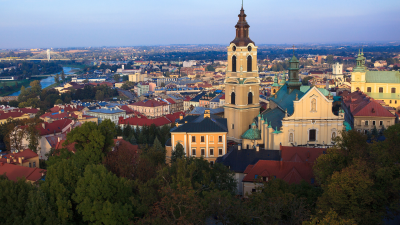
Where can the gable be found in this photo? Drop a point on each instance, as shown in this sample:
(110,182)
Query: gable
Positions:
(313,104)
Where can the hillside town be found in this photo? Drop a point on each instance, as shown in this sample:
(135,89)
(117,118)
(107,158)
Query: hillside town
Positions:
(239,125)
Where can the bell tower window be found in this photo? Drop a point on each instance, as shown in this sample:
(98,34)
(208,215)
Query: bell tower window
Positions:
(234,63)
(250,98)
(249,64)
(233,98)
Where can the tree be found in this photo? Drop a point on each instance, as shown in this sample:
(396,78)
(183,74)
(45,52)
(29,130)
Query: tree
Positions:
(178,152)
(16,135)
(329,59)
(117,78)
(103,198)
(86,81)
(63,76)
(57,78)
(59,102)
(33,136)
(39,210)
(13,196)
(99,95)
(122,161)
(210,68)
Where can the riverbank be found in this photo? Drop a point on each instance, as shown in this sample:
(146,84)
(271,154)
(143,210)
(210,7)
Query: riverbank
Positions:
(14,89)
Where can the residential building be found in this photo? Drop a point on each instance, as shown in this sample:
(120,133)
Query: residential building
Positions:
(151,108)
(14,172)
(112,114)
(23,157)
(201,136)
(7,115)
(364,113)
(137,77)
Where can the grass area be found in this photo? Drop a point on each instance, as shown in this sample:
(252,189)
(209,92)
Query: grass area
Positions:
(51,86)
(24,83)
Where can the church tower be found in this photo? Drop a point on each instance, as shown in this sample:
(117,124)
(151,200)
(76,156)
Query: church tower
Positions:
(293,82)
(242,82)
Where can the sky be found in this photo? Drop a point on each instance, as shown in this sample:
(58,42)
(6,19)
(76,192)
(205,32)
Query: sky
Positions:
(84,23)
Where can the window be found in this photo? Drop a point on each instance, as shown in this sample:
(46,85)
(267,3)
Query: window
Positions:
(366,123)
(233,126)
(249,64)
(220,151)
(211,151)
(30,165)
(365,131)
(312,135)
(253,190)
(234,63)
(265,179)
(381,90)
(368,89)
(194,151)
(393,90)
(390,101)
(373,123)
(220,139)
(380,123)
(202,139)
(250,98)
(34,164)
(233,98)
(193,138)
(202,152)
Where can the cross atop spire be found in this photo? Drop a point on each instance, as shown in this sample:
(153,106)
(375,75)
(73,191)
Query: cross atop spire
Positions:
(293,49)
(242,4)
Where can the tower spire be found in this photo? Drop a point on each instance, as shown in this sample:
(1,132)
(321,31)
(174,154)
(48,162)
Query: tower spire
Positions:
(242,30)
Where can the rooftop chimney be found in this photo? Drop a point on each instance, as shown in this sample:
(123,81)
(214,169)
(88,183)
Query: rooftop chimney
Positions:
(239,147)
(20,160)
(257,148)
(8,160)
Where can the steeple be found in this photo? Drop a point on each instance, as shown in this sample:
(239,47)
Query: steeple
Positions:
(242,30)
(360,67)
(293,82)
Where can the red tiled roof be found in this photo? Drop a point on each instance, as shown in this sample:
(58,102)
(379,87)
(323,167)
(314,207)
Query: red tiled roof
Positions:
(26,110)
(150,103)
(54,127)
(67,108)
(144,121)
(69,147)
(187,98)
(55,116)
(174,116)
(300,154)
(26,153)
(7,115)
(13,172)
(291,172)
(362,105)
(170,100)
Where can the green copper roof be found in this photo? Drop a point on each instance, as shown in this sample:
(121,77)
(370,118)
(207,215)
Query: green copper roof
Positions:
(269,126)
(347,125)
(253,133)
(324,91)
(382,77)
(304,89)
(266,121)
(277,131)
(294,59)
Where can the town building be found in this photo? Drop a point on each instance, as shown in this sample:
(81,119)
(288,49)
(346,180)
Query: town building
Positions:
(365,114)
(151,108)
(112,114)
(379,85)
(201,136)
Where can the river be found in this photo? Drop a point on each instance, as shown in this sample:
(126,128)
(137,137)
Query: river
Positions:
(48,81)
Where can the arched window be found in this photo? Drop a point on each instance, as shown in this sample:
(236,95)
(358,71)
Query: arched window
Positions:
(233,98)
(249,64)
(250,98)
(234,63)
(393,90)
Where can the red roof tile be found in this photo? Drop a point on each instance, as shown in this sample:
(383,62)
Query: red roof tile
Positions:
(300,154)
(26,153)
(7,115)
(54,127)
(150,103)
(14,172)
(291,172)
(170,100)
(144,121)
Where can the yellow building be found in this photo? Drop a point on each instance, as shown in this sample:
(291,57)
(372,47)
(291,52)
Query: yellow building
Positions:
(242,82)
(380,85)
(5,115)
(201,136)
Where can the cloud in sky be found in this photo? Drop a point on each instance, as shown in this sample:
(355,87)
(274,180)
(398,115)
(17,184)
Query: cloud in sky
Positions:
(54,23)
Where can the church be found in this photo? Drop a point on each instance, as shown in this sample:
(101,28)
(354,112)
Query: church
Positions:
(297,115)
